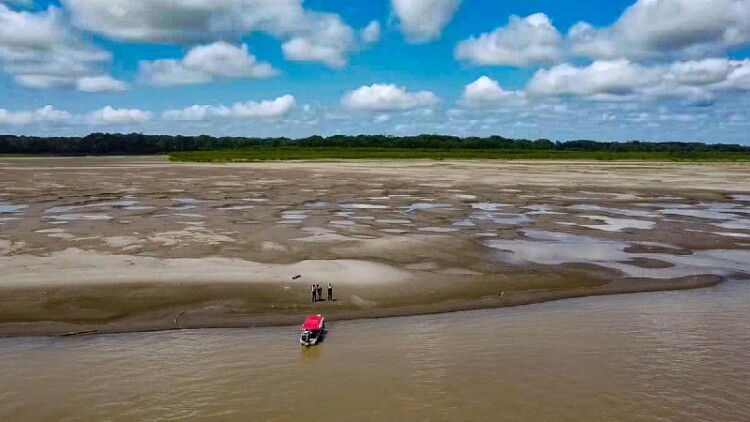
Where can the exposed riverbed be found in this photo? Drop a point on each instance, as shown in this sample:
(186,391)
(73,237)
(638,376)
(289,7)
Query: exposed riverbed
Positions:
(129,244)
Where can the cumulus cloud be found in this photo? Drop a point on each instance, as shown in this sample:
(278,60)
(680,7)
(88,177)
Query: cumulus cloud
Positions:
(532,40)
(617,77)
(329,40)
(424,20)
(671,28)
(203,64)
(201,20)
(486,90)
(119,116)
(267,109)
(44,114)
(382,97)
(698,82)
(371,33)
(40,51)
(102,83)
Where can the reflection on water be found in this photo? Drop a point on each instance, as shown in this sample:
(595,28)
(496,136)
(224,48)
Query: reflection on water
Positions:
(660,356)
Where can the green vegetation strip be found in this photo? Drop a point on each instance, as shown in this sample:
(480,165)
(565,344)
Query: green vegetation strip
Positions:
(286,153)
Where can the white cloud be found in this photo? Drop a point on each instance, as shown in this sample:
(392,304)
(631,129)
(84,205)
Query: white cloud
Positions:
(697,82)
(381,118)
(532,40)
(30,30)
(486,90)
(382,97)
(192,113)
(264,109)
(371,33)
(203,64)
(202,20)
(40,51)
(100,84)
(119,116)
(329,41)
(424,20)
(44,114)
(667,28)
(302,49)
(267,109)
(617,78)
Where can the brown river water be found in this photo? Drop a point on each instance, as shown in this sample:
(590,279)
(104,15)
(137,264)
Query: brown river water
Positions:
(674,356)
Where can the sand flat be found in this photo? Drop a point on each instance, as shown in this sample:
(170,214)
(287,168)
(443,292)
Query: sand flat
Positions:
(362,225)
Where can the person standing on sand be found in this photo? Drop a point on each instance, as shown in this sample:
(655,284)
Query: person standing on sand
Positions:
(330,292)
(320,292)
(314,294)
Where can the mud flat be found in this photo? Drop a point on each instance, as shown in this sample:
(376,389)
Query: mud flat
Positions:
(129,244)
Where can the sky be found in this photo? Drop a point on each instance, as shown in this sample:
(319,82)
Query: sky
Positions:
(657,70)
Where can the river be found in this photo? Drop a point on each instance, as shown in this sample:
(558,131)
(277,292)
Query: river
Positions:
(673,356)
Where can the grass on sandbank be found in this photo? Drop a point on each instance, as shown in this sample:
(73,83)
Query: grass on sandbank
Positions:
(296,153)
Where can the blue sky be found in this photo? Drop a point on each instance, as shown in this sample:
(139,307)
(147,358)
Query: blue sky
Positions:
(558,69)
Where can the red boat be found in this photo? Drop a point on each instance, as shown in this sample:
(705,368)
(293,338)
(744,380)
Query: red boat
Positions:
(312,329)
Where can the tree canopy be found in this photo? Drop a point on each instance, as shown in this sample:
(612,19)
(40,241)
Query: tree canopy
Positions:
(136,143)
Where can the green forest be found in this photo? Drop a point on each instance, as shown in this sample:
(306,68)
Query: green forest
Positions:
(208,148)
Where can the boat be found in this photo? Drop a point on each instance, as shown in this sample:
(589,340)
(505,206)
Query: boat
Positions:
(312,330)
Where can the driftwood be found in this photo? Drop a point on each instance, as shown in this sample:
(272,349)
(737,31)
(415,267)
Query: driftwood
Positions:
(176,320)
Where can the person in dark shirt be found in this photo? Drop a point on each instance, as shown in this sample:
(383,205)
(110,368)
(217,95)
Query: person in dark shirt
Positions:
(330,292)
(320,292)
(314,294)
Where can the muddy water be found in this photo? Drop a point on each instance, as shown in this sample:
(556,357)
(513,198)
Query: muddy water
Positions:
(659,356)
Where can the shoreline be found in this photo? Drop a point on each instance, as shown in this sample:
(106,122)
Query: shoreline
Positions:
(195,320)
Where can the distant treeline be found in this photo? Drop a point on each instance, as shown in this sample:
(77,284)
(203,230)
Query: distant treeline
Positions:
(134,143)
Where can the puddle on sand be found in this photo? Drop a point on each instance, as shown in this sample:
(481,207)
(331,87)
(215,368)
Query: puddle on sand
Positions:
(489,206)
(363,207)
(438,230)
(317,205)
(111,204)
(236,207)
(666,205)
(618,224)
(183,208)
(707,214)
(616,211)
(393,221)
(343,223)
(503,219)
(552,248)
(80,217)
(734,235)
(12,209)
(541,210)
(741,198)
(425,206)
(395,231)
(741,224)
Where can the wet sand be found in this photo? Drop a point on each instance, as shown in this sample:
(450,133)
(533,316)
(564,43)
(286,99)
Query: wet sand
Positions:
(123,244)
